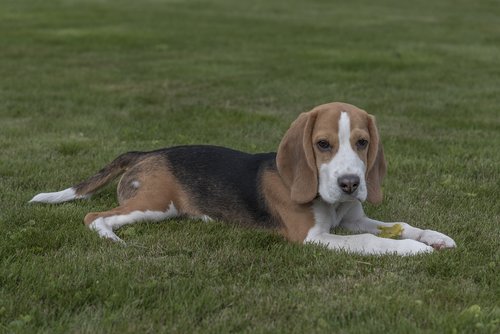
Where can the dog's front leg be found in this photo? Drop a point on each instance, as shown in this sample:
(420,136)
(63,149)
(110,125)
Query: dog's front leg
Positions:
(327,216)
(369,244)
(355,220)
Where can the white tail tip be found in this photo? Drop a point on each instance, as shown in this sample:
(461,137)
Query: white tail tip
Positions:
(56,197)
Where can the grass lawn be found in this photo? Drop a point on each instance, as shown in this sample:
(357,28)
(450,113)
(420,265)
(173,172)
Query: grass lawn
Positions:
(82,81)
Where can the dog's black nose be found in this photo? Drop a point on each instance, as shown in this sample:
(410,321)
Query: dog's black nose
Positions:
(349,183)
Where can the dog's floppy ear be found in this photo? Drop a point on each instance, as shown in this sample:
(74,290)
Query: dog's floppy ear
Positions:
(295,159)
(377,167)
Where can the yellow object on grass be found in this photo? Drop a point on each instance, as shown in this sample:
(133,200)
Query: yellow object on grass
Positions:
(392,232)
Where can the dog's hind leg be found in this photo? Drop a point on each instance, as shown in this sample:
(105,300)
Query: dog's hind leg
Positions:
(104,223)
(146,192)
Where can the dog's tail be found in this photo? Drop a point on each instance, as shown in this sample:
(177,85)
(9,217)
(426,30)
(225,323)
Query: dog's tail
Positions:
(86,188)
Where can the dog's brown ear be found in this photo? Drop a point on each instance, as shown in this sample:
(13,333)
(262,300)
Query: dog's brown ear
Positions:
(377,167)
(295,159)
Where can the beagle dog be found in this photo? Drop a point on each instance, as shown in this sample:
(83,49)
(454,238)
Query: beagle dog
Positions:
(329,161)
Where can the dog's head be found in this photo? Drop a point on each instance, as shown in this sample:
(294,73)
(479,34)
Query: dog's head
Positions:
(333,151)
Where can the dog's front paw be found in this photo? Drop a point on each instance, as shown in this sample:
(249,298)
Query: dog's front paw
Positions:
(436,240)
(412,247)
(403,247)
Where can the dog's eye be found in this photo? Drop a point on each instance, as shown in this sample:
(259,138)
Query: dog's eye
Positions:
(324,145)
(361,144)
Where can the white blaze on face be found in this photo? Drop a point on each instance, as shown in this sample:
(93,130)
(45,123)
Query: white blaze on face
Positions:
(346,161)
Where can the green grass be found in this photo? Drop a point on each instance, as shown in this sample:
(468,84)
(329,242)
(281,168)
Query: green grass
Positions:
(82,81)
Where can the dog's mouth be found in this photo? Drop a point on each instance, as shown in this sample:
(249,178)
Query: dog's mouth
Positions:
(337,196)
(350,197)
